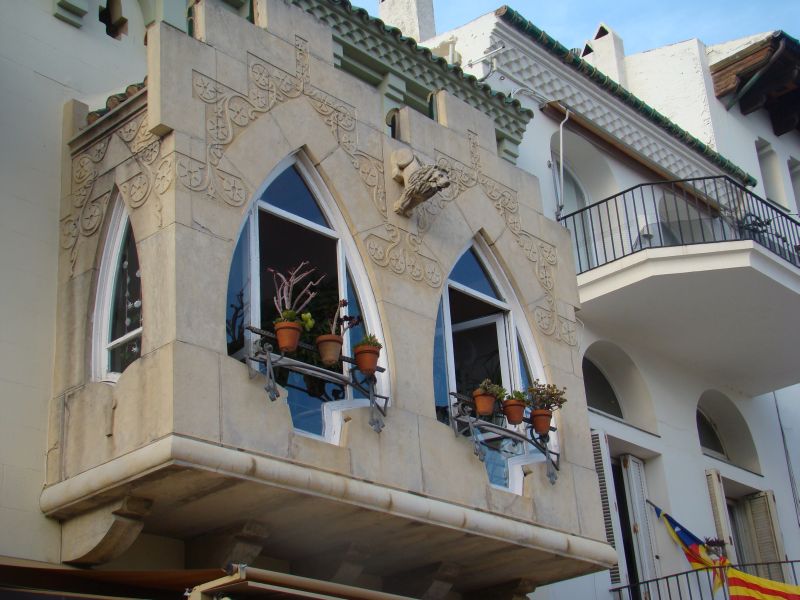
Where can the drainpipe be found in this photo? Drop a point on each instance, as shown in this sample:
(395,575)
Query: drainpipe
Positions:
(560,205)
(792,481)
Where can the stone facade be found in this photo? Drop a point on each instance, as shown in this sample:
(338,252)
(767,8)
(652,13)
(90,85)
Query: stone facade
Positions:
(186,444)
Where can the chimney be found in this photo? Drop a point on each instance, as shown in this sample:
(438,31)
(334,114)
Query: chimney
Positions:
(606,52)
(413,17)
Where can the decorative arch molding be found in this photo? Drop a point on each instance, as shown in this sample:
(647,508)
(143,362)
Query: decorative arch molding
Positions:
(129,158)
(732,428)
(629,386)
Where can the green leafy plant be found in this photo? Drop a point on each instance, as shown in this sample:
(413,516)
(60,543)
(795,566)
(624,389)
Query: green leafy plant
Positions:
(369,340)
(546,396)
(518,395)
(487,387)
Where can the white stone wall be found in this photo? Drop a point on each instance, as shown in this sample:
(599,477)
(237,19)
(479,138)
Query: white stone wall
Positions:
(675,81)
(43,63)
(677,72)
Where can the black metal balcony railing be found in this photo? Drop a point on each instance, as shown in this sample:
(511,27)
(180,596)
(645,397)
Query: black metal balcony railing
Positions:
(678,213)
(699,584)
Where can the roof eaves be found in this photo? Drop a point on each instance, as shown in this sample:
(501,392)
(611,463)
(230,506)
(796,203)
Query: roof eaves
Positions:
(554,47)
(426,54)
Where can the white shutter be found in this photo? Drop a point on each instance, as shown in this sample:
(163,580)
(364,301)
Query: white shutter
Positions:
(766,533)
(639,512)
(719,507)
(608,498)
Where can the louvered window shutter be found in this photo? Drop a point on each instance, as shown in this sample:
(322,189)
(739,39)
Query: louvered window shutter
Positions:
(767,539)
(602,464)
(643,535)
(719,507)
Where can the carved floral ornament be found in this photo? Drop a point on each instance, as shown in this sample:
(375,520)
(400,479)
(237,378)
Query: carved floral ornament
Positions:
(151,172)
(428,189)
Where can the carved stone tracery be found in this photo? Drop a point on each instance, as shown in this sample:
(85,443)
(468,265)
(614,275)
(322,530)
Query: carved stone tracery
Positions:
(402,251)
(150,173)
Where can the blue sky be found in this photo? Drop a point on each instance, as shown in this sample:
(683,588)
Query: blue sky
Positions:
(642,25)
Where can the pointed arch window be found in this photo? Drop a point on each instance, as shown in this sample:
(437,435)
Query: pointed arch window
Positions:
(118,334)
(293,221)
(478,337)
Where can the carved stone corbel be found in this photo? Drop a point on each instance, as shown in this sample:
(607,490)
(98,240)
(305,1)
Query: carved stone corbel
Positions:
(431,582)
(420,182)
(341,565)
(517,589)
(104,533)
(240,544)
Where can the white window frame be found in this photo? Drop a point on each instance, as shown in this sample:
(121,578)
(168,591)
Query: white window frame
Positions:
(511,333)
(348,259)
(109,264)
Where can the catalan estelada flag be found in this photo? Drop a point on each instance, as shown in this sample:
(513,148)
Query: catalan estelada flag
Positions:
(742,586)
(694,548)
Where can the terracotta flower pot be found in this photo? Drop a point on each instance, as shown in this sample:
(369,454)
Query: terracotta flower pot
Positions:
(367,359)
(484,403)
(330,348)
(541,418)
(288,334)
(514,410)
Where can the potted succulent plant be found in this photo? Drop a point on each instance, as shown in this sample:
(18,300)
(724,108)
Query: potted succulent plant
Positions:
(291,319)
(543,399)
(366,353)
(486,396)
(514,407)
(329,345)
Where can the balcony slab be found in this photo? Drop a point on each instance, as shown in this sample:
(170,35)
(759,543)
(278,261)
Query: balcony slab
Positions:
(728,310)
(201,486)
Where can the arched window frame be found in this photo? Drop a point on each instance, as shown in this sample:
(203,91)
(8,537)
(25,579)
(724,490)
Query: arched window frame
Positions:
(109,264)
(348,260)
(518,337)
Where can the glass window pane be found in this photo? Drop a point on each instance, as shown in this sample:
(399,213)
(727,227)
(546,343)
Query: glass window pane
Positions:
(709,439)
(237,310)
(123,355)
(290,193)
(524,370)
(126,305)
(477,357)
(357,332)
(470,272)
(464,307)
(599,393)
(440,380)
(282,246)
(353,310)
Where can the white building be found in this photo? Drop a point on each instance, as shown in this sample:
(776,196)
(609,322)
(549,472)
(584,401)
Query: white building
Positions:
(689,290)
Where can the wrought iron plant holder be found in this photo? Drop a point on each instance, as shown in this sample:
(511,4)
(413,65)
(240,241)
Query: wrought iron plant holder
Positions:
(465,421)
(263,354)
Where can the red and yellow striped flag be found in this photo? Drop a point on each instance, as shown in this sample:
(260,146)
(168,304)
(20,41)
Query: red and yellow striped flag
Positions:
(742,586)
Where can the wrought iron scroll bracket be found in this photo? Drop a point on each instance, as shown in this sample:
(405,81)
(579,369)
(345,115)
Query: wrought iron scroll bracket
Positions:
(465,421)
(263,354)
